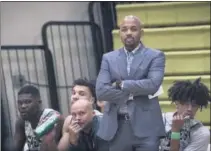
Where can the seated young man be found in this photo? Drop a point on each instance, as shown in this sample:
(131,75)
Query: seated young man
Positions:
(31,117)
(84,89)
(183,131)
(79,134)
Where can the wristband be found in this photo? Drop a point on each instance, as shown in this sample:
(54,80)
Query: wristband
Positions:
(175,135)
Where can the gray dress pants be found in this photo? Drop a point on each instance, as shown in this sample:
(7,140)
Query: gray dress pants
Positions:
(124,140)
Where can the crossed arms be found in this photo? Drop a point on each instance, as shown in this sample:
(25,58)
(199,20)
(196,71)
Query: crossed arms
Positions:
(105,91)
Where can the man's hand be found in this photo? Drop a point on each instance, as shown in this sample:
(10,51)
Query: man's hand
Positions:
(73,130)
(70,134)
(66,124)
(48,142)
(117,84)
(177,123)
(52,138)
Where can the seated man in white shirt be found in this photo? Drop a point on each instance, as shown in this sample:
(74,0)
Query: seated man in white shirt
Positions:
(183,131)
(84,89)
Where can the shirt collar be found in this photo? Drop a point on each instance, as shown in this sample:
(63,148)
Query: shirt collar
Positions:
(133,51)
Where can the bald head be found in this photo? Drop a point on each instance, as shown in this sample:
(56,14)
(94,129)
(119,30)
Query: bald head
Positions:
(131,32)
(82,111)
(83,103)
(132,18)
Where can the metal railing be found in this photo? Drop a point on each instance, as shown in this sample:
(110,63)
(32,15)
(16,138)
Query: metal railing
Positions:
(104,15)
(70,50)
(77,50)
(26,64)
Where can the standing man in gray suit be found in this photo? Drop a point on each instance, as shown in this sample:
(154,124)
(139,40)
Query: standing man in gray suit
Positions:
(131,121)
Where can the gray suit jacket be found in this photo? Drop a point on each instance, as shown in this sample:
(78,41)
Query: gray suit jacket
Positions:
(146,76)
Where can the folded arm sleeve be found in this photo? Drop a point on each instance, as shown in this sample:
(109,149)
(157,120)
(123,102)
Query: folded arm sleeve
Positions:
(104,89)
(154,79)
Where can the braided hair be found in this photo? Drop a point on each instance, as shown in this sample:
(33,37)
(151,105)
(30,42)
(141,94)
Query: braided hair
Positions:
(186,91)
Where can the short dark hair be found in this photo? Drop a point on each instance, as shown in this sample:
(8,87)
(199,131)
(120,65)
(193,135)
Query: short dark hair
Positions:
(87,83)
(187,91)
(30,89)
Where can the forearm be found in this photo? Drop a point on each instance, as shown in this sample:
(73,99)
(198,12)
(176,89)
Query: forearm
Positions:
(49,142)
(175,140)
(152,82)
(18,144)
(141,87)
(64,143)
(19,137)
(175,145)
(109,93)
(104,89)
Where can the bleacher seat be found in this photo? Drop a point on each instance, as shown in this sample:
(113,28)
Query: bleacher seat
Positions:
(173,38)
(182,31)
(187,62)
(167,13)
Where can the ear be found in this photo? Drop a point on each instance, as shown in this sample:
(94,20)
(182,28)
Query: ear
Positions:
(92,100)
(141,33)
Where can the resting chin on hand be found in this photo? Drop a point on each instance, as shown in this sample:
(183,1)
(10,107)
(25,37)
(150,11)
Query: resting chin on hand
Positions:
(70,134)
(177,123)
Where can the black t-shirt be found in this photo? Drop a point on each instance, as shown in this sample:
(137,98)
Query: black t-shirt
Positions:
(89,141)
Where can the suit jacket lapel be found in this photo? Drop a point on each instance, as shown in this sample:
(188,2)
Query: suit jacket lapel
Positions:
(138,60)
(122,64)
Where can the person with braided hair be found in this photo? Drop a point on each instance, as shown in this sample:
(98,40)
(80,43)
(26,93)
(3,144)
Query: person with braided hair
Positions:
(183,131)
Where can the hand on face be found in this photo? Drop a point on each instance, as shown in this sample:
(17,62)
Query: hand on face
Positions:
(187,110)
(177,123)
(187,115)
(73,130)
(179,120)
